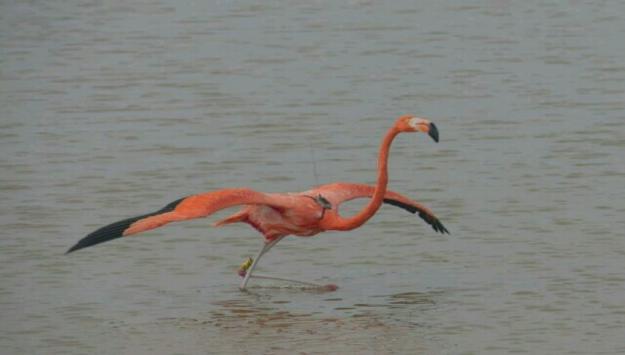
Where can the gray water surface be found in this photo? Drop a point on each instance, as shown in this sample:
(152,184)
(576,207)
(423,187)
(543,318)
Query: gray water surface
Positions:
(113,109)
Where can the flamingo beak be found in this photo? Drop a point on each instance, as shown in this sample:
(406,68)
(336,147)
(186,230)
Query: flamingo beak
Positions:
(433,132)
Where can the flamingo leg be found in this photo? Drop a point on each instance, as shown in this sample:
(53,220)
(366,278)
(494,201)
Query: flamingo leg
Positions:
(262,251)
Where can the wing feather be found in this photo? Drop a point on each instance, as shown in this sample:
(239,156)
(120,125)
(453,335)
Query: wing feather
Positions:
(190,207)
(340,192)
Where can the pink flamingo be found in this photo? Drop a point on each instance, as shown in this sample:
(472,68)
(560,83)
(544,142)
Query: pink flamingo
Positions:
(277,215)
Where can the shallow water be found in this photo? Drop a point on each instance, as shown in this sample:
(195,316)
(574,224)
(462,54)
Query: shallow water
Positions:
(109,110)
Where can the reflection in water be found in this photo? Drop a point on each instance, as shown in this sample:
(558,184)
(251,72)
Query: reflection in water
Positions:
(413,298)
(252,325)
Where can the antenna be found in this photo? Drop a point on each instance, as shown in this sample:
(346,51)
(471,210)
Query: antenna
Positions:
(314,163)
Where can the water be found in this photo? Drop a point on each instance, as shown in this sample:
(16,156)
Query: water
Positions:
(113,109)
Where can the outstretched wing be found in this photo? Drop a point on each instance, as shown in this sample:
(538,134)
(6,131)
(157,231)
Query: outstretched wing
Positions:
(194,206)
(340,192)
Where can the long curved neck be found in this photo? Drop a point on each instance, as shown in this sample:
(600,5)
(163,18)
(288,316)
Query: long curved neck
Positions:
(338,223)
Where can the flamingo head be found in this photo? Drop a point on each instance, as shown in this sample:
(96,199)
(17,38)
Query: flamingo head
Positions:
(411,123)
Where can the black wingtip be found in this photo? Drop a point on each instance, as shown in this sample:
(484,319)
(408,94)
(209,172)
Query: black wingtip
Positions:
(435,223)
(116,230)
(74,248)
(104,234)
(91,240)
(431,220)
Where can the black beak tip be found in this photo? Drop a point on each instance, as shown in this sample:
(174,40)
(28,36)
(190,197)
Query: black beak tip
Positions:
(433,132)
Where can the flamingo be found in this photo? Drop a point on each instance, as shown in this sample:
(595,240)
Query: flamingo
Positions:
(277,215)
